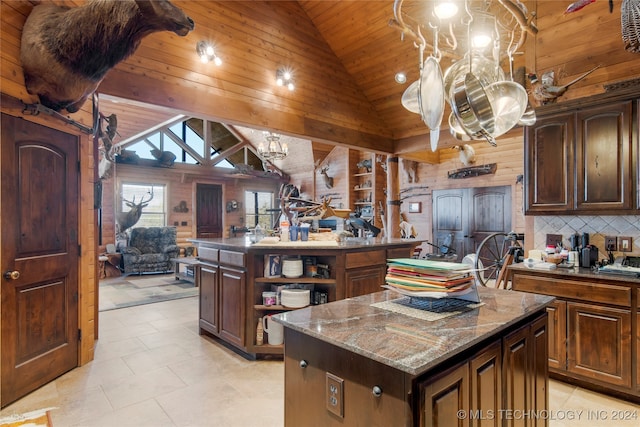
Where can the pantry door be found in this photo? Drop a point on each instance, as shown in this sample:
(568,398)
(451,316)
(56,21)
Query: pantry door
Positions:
(39,259)
(470,215)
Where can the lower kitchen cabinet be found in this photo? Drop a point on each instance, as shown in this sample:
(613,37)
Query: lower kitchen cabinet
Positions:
(207,279)
(592,337)
(599,343)
(232,306)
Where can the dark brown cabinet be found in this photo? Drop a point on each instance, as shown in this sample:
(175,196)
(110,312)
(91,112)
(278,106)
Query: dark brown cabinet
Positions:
(222,281)
(443,396)
(581,161)
(599,343)
(209,290)
(591,333)
(525,372)
(232,307)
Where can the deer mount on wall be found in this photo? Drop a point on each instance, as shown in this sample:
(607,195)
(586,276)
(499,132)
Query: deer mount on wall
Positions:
(66,52)
(126,220)
(328,180)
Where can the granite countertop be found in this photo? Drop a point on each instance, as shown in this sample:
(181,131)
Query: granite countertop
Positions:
(405,342)
(243,243)
(575,273)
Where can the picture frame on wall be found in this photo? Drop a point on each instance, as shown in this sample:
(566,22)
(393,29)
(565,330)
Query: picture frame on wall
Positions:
(272,266)
(626,244)
(415,207)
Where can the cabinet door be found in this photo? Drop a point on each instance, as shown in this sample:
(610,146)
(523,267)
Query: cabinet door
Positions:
(599,343)
(361,281)
(603,157)
(443,397)
(548,164)
(525,374)
(557,312)
(232,305)
(208,282)
(485,382)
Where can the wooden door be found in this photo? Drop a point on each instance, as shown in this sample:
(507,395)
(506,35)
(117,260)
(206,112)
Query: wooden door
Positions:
(208,210)
(208,276)
(485,384)
(470,214)
(451,216)
(490,213)
(39,211)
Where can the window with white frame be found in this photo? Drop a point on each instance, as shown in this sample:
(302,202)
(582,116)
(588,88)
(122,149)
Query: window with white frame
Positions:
(153,195)
(258,205)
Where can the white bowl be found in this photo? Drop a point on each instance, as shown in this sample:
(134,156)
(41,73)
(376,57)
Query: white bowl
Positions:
(295,298)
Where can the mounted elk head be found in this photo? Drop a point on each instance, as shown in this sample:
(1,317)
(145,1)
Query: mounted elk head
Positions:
(127,220)
(328,180)
(410,168)
(66,52)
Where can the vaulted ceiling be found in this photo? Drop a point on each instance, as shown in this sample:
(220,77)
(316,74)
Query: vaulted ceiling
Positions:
(344,55)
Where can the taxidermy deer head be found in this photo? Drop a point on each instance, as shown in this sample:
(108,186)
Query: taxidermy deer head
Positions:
(410,168)
(467,154)
(66,52)
(328,180)
(127,220)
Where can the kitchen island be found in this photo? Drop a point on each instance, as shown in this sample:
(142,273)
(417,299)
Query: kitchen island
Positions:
(231,276)
(361,361)
(594,326)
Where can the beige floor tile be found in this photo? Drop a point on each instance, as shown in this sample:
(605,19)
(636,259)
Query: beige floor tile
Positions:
(152,368)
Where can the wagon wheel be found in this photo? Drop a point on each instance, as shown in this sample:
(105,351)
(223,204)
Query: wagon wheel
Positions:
(492,254)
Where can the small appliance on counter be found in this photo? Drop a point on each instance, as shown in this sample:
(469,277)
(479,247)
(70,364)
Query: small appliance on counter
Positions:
(589,256)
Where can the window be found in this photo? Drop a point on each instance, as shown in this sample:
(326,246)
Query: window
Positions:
(154,214)
(258,209)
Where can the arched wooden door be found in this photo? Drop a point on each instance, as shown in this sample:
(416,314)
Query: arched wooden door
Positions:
(39,261)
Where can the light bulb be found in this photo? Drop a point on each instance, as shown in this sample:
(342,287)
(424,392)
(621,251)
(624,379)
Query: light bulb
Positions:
(204,58)
(217,61)
(210,51)
(290,86)
(287,75)
(445,9)
(279,81)
(480,41)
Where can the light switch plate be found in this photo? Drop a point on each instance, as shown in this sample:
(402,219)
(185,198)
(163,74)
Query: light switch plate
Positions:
(610,244)
(335,395)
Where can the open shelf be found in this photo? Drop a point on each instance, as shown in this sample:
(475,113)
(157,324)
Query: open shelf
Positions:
(316,280)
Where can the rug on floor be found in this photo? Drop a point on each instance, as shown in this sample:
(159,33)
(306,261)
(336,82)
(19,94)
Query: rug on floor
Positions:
(38,418)
(128,291)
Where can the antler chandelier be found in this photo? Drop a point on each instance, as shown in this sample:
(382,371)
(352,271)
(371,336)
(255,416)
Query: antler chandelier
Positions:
(275,149)
(476,35)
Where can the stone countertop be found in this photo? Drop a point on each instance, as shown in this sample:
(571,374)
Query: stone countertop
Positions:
(404,342)
(575,273)
(243,244)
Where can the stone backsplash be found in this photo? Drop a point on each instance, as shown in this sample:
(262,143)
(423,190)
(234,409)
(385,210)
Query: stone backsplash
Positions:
(598,226)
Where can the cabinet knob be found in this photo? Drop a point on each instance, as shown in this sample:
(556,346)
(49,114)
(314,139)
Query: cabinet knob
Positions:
(377,391)
(304,363)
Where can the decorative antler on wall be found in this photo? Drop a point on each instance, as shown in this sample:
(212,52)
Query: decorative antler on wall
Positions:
(66,52)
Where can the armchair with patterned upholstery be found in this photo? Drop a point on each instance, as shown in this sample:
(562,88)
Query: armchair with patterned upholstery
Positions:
(150,250)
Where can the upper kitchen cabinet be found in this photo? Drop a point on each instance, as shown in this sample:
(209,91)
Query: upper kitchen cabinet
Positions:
(603,158)
(582,161)
(548,163)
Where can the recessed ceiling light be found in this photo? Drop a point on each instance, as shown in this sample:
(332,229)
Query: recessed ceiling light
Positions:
(401,78)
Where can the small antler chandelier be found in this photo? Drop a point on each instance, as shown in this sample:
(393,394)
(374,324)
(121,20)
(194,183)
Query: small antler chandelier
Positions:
(275,149)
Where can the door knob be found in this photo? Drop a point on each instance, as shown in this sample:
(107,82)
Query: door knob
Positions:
(12,275)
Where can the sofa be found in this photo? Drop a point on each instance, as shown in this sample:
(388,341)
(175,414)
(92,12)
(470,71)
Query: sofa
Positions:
(150,250)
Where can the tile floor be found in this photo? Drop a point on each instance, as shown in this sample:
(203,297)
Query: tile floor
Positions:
(151,368)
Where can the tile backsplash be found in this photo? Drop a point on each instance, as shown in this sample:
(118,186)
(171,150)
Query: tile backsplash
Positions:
(598,226)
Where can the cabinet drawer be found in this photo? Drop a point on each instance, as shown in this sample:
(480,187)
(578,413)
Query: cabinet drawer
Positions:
(362,259)
(208,254)
(590,292)
(399,253)
(232,258)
